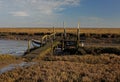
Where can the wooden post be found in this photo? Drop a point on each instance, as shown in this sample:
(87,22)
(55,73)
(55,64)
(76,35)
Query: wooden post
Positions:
(62,42)
(64,37)
(29,42)
(64,31)
(78,35)
(63,45)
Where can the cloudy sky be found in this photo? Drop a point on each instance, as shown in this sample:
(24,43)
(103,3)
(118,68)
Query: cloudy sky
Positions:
(47,13)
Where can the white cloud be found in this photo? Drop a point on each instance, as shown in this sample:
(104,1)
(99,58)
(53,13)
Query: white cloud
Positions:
(47,7)
(19,13)
(38,12)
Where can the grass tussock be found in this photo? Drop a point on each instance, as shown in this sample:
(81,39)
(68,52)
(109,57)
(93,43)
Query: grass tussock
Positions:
(6,57)
(69,69)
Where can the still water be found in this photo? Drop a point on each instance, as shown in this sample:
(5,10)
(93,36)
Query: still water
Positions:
(13,47)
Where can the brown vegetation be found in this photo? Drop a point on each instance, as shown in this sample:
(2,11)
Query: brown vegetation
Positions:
(88,68)
(98,50)
(86,34)
(58,30)
(8,59)
(98,67)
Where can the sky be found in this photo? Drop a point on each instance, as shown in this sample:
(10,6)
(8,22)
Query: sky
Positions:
(48,13)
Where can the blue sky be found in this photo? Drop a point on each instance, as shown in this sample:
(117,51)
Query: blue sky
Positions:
(48,13)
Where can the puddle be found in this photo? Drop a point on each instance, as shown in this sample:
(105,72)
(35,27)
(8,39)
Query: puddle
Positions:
(13,66)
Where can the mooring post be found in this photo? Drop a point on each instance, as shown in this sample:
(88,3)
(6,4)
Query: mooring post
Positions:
(78,35)
(62,45)
(29,42)
(64,31)
(64,37)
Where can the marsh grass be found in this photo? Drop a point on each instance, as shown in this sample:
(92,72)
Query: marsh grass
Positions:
(59,30)
(6,57)
(89,59)
(87,68)
(96,50)
(69,68)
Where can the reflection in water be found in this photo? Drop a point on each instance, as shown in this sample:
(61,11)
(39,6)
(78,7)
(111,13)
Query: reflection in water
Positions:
(13,47)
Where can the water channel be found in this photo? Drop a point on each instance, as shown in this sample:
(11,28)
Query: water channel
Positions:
(13,47)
